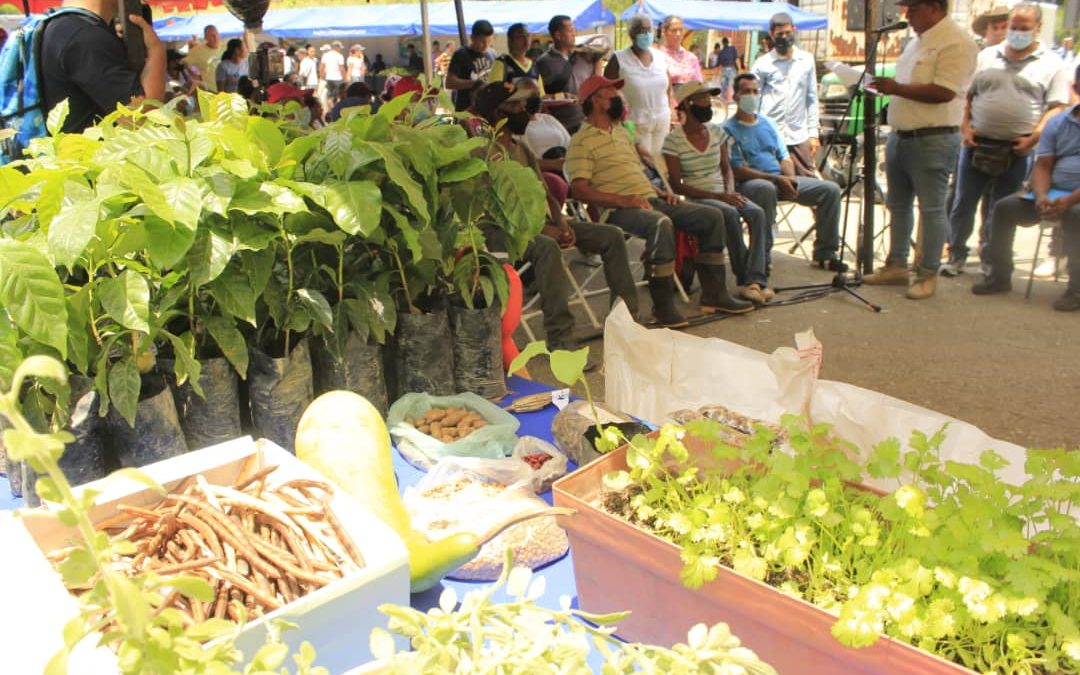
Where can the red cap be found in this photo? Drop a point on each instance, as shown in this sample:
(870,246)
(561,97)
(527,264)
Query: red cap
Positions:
(406,85)
(595,83)
(283,91)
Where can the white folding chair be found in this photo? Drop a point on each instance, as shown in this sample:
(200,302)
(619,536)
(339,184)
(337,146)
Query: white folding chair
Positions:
(530,309)
(1044,228)
(784,211)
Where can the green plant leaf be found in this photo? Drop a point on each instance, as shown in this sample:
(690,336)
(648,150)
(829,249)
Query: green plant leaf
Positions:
(126,298)
(356,206)
(403,180)
(139,476)
(232,290)
(32,294)
(267,136)
(186,366)
(54,122)
(337,150)
(316,306)
(71,230)
(208,256)
(569,367)
(531,350)
(230,341)
(132,612)
(10,352)
(124,386)
(186,197)
(193,587)
(463,171)
(166,243)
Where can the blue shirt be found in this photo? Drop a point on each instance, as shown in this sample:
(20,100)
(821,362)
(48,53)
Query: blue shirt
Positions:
(789,94)
(1061,139)
(756,145)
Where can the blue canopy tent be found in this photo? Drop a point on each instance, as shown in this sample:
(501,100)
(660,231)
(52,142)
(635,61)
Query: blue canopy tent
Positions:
(392,20)
(720,15)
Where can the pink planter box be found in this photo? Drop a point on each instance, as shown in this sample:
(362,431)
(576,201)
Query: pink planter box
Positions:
(619,566)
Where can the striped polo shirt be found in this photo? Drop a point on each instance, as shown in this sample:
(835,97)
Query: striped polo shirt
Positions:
(700,169)
(608,161)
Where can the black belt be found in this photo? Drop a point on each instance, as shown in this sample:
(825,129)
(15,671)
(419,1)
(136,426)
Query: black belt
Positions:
(926,131)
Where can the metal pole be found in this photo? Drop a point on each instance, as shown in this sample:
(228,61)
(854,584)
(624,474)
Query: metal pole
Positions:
(460,11)
(870,125)
(425,48)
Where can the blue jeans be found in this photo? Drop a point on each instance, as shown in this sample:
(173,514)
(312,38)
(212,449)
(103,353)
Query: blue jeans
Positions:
(821,195)
(748,266)
(727,80)
(971,184)
(919,167)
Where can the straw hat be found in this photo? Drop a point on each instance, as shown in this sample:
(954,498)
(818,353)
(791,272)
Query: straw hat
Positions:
(982,22)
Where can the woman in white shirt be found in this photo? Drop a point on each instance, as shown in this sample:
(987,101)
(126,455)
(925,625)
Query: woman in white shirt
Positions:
(647,91)
(233,66)
(355,64)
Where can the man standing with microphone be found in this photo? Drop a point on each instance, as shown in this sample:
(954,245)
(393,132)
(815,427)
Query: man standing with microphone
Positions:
(925,110)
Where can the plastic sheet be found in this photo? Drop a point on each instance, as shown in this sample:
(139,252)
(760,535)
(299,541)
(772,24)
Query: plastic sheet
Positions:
(572,422)
(279,390)
(424,354)
(215,418)
(457,495)
(361,371)
(651,373)
(478,361)
(494,441)
(157,433)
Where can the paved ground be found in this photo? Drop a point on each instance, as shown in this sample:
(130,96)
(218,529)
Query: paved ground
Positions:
(1008,365)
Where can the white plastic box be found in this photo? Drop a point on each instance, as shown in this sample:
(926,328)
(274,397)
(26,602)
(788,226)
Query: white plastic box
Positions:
(336,619)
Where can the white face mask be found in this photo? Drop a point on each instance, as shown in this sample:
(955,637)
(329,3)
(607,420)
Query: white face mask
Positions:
(1020,39)
(749,103)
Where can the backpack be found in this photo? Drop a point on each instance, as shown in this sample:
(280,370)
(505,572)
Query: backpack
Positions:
(21,106)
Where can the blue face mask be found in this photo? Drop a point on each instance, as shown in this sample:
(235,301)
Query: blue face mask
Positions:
(1020,39)
(643,40)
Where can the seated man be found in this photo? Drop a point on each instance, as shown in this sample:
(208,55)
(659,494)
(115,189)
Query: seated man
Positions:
(698,168)
(495,103)
(606,172)
(1055,195)
(765,172)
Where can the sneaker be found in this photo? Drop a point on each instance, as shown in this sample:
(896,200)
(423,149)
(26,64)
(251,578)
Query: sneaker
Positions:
(753,293)
(1048,269)
(889,275)
(924,285)
(1069,302)
(953,268)
(991,285)
(831,264)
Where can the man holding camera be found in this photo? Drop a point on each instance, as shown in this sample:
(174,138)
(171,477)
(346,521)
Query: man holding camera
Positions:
(925,110)
(83,60)
(1019,85)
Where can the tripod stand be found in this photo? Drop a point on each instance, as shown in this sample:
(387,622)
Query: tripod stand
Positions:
(840,283)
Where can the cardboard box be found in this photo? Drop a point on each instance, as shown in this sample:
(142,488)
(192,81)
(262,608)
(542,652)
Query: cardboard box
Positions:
(336,619)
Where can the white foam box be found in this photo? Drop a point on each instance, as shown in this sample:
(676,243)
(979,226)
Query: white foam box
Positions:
(336,619)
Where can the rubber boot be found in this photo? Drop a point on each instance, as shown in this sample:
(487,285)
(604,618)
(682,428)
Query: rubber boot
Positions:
(714,293)
(662,292)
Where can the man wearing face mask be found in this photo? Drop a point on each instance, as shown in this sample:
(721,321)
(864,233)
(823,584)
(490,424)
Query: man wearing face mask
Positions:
(605,171)
(925,111)
(789,98)
(765,172)
(1018,86)
(545,135)
(495,103)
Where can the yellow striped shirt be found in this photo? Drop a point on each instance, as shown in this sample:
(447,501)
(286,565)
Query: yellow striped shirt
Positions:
(608,161)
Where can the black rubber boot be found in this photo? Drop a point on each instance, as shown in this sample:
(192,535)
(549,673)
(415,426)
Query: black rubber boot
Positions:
(662,292)
(714,294)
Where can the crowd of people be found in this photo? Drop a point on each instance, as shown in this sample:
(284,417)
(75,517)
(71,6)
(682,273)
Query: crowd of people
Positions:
(627,143)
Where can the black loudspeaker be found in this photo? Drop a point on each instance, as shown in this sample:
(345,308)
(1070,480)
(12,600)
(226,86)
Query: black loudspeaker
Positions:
(856,14)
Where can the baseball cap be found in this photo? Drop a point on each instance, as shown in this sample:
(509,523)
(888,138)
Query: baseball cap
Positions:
(337,44)
(483,28)
(406,85)
(283,91)
(685,91)
(591,85)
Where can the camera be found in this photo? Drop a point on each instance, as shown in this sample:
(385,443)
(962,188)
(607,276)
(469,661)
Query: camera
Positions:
(266,64)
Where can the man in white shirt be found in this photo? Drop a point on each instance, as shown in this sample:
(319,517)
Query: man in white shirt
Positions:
(925,110)
(333,72)
(789,97)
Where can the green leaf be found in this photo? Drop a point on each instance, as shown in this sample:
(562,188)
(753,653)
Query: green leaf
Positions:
(403,180)
(166,243)
(124,386)
(57,116)
(10,352)
(569,367)
(337,150)
(391,109)
(193,587)
(186,367)
(208,256)
(132,611)
(356,207)
(518,203)
(186,197)
(267,136)
(531,350)
(126,299)
(71,230)
(232,290)
(78,567)
(32,294)
(230,341)
(463,171)
(884,460)
(316,305)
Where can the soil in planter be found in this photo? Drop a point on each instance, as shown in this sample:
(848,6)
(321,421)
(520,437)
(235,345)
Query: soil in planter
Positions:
(84,458)
(215,418)
(360,371)
(478,361)
(424,354)
(279,390)
(157,433)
